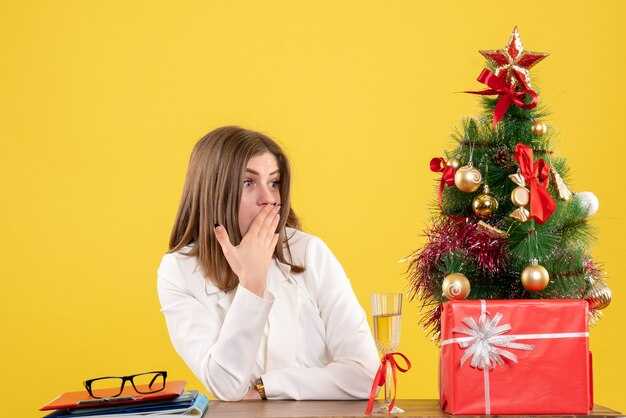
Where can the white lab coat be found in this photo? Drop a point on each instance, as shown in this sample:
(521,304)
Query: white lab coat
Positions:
(308,337)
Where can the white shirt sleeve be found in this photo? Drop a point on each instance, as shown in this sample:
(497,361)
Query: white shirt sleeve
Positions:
(219,346)
(348,338)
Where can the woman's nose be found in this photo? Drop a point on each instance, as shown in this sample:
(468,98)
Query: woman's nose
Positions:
(266,196)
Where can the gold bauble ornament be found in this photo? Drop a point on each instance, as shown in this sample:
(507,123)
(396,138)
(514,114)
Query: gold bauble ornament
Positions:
(484,204)
(599,297)
(455,163)
(467,178)
(535,277)
(538,128)
(455,286)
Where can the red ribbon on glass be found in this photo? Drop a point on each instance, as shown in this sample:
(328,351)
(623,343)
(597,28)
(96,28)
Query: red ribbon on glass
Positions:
(537,175)
(381,378)
(508,95)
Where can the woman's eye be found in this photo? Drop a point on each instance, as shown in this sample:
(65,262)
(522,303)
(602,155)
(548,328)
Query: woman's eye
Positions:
(247,183)
(275,183)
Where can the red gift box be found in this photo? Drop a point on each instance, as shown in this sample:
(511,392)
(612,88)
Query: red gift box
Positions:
(519,357)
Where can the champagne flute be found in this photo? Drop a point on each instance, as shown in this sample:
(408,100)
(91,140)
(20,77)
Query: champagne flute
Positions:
(386,314)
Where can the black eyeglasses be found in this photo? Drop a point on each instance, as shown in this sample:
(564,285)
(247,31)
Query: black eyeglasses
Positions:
(112,386)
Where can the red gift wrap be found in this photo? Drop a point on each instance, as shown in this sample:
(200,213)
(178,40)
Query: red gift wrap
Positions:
(518,357)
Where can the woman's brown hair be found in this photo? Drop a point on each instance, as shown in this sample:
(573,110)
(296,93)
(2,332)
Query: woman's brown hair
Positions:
(212,193)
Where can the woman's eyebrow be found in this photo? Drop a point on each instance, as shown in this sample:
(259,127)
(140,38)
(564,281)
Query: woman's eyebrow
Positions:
(249,170)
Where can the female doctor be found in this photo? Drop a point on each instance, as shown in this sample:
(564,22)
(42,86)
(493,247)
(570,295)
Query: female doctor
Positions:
(257,308)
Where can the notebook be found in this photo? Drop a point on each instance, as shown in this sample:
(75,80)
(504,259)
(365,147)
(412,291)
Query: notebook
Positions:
(81,399)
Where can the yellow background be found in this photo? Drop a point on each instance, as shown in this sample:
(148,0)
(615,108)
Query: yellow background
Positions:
(102,102)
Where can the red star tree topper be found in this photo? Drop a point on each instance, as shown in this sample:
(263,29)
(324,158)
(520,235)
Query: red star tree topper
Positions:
(513,62)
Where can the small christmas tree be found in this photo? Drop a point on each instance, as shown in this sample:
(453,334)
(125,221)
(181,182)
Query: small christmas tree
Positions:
(506,225)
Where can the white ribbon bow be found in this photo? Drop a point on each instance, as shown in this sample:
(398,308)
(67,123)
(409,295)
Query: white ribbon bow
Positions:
(485,339)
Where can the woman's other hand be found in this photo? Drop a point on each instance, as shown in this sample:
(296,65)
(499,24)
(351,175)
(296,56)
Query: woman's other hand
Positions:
(251,258)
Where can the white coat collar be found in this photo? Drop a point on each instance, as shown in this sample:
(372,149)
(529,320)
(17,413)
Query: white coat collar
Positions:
(285,270)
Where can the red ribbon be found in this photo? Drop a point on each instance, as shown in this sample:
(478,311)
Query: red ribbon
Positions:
(508,95)
(537,177)
(438,165)
(381,377)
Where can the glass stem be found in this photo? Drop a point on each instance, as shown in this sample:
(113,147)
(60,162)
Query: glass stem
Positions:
(388,384)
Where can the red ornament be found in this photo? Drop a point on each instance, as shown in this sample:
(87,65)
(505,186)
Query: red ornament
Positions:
(513,62)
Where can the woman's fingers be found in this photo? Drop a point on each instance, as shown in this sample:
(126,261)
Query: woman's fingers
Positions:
(250,259)
(274,241)
(273,225)
(223,239)
(264,231)
(259,219)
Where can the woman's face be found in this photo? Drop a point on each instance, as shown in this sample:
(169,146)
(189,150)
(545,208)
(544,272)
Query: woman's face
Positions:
(260,187)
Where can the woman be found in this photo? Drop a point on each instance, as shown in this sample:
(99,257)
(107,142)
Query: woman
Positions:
(255,307)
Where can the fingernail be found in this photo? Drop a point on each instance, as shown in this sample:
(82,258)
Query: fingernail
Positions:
(216,225)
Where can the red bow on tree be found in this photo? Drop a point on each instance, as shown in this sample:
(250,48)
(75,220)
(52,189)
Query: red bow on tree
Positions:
(508,95)
(381,377)
(438,165)
(537,175)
